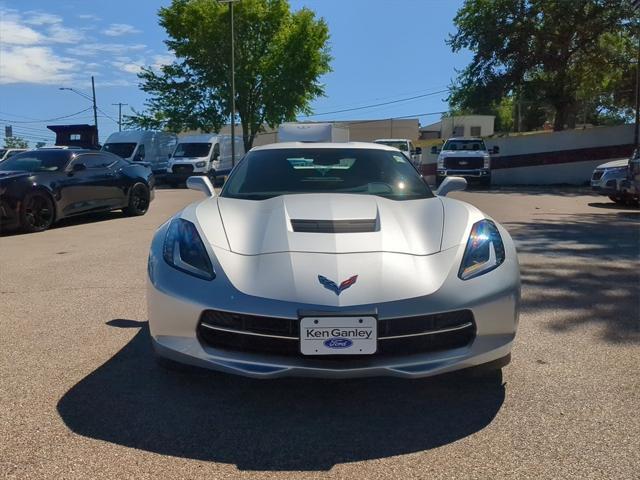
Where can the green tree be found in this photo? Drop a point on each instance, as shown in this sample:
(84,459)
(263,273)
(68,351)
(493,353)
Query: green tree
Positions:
(279,57)
(563,54)
(15,142)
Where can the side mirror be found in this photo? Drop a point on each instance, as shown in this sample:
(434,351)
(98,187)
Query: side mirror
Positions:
(496,149)
(79,167)
(202,184)
(418,150)
(434,150)
(451,184)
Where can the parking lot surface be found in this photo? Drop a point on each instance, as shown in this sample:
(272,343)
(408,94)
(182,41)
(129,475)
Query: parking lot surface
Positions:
(81,396)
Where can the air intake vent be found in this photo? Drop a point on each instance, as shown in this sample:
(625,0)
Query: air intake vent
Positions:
(334,226)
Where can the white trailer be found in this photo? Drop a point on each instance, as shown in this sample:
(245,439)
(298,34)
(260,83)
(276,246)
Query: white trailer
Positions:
(312,132)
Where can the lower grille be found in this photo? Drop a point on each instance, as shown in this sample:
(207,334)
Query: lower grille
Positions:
(182,169)
(397,336)
(463,163)
(597,175)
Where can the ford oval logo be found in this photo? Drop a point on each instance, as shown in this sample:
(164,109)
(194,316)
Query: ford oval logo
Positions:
(338,343)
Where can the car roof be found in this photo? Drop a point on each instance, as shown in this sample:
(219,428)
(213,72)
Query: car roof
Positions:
(317,145)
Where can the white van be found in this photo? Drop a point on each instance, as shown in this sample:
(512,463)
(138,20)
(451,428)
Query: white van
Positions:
(143,146)
(207,154)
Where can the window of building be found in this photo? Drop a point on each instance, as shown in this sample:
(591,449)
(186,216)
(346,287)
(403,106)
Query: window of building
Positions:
(476,131)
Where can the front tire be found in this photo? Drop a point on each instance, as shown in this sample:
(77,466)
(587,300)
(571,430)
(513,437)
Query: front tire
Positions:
(139,199)
(212,176)
(37,212)
(618,200)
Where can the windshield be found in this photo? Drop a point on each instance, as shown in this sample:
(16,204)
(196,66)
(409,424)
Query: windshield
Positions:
(123,150)
(192,150)
(36,161)
(464,145)
(269,173)
(400,145)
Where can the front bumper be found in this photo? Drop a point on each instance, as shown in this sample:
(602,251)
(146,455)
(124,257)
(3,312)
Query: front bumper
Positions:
(477,174)
(176,302)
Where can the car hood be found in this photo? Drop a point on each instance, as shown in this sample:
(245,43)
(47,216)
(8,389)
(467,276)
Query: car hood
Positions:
(274,225)
(614,164)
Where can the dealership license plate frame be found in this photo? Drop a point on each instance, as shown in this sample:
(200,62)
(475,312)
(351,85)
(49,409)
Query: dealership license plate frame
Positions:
(360,346)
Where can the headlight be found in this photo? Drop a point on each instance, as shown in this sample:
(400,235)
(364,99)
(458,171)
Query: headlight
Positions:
(183,249)
(441,162)
(200,164)
(484,252)
(487,161)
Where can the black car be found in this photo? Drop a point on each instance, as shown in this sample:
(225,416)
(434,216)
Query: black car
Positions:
(40,187)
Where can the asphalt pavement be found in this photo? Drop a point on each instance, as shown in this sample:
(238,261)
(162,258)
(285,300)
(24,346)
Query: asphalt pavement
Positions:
(81,396)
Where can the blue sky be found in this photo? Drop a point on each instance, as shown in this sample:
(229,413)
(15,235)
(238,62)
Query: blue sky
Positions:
(383,50)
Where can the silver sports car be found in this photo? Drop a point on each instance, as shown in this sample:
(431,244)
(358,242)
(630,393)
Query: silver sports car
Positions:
(332,260)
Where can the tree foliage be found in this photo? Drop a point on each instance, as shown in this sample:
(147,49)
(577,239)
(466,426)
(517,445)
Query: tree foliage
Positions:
(15,142)
(567,55)
(279,57)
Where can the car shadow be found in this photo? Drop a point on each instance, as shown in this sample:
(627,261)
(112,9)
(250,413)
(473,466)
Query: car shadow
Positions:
(283,424)
(612,206)
(71,221)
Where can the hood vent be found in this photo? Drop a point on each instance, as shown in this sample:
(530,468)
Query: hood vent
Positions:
(334,226)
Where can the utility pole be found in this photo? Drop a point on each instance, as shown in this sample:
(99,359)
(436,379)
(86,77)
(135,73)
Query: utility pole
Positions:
(95,107)
(119,104)
(233,83)
(636,137)
(233,94)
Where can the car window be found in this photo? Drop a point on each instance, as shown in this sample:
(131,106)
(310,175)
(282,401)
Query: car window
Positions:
(94,161)
(139,156)
(37,161)
(464,145)
(123,150)
(192,150)
(268,173)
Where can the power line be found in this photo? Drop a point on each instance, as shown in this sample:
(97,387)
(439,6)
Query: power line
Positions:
(47,119)
(376,99)
(376,104)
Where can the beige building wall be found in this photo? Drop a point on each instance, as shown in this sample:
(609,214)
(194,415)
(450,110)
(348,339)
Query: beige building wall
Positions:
(359,130)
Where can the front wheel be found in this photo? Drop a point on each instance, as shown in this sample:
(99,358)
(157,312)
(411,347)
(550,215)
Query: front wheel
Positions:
(138,201)
(212,176)
(36,212)
(618,200)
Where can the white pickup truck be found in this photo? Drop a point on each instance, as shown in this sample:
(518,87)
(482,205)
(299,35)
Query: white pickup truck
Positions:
(405,146)
(466,157)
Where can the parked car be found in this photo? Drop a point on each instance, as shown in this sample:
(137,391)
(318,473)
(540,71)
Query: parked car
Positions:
(148,146)
(405,146)
(332,260)
(606,179)
(40,187)
(630,186)
(10,152)
(466,157)
(208,155)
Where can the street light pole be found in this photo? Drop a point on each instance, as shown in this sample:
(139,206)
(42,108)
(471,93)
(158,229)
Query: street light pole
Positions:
(95,107)
(92,99)
(119,104)
(233,92)
(233,83)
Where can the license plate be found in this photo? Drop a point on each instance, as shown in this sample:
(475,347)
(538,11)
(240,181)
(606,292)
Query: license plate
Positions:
(338,335)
